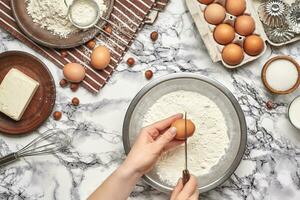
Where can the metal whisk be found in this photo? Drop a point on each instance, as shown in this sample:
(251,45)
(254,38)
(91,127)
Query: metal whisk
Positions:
(49,142)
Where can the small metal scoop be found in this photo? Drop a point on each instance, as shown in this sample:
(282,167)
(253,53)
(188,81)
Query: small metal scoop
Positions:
(92,5)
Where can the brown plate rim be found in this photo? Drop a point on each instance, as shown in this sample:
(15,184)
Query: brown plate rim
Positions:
(27,130)
(53,45)
(264,70)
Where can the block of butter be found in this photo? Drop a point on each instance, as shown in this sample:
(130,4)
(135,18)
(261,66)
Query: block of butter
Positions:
(16,92)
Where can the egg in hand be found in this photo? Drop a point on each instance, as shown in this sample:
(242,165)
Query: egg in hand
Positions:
(180,128)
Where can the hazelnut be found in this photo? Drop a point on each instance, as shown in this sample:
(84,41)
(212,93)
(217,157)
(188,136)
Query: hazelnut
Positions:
(269,105)
(154,36)
(57,115)
(75,101)
(148,74)
(63,83)
(64,53)
(108,29)
(91,44)
(74,87)
(130,62)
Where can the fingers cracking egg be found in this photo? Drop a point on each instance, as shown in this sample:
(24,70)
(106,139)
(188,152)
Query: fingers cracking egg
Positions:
(180,128)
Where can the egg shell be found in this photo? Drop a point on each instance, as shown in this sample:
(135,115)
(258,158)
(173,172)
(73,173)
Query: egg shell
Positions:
(74,72)
(100,57)
(224,34)
(232,54)
(253,45)
(214,13)
(205,1)
(180,128)
(244,25)
(235,7)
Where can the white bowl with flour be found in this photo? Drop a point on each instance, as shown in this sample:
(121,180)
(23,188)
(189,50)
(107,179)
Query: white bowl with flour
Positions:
(217,146)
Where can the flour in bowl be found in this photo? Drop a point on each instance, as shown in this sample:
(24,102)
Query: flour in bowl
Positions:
(209,142)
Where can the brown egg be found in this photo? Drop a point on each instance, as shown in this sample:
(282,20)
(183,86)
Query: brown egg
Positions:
(100,57)
(205,1)
(214,13)
(244,25)
(180,128)
(253,45)
(235,7)
(74,72)
(224,34)
(232,54)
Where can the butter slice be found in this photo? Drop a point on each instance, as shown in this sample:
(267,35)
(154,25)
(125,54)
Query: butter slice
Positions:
(16,92)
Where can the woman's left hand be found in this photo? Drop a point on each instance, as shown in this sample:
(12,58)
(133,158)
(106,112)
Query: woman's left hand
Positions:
(152,141)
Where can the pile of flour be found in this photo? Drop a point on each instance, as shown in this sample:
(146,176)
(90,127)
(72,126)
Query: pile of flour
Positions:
(52,15)
(208,144)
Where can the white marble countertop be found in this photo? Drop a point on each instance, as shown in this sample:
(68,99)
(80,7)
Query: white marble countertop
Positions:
(271,165)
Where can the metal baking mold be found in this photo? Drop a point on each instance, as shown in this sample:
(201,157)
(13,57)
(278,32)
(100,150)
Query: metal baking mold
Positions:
(273,13)
(293,17)
(280,35)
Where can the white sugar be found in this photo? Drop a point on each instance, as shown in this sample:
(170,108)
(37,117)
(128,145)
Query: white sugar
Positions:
(281,75)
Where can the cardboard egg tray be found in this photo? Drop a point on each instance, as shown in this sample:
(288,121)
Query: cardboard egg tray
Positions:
(206,30)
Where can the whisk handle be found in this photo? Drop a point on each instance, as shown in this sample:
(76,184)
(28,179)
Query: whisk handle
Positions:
(8,158)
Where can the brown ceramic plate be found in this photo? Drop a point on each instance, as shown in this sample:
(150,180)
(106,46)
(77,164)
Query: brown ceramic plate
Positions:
(48,39)
(42,102)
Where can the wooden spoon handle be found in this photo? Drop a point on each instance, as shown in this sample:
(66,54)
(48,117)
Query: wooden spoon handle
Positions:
(185,176)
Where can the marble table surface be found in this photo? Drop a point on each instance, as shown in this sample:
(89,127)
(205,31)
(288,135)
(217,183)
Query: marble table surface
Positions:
(271,165)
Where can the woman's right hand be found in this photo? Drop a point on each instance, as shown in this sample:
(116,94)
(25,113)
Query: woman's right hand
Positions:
(187,192)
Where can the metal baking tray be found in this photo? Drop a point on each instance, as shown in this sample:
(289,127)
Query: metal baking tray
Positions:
(233,114)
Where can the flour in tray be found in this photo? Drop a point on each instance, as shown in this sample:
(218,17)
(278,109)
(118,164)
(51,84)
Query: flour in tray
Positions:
(52,15)
(208,144)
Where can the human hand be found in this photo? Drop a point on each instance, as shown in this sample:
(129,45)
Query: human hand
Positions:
(187,192)
(152,141)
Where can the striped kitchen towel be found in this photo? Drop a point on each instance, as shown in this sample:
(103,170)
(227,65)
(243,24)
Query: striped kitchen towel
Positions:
(129,14)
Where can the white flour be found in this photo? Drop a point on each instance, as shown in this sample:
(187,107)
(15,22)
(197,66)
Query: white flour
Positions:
(209,142)
(83,14)
(52,15)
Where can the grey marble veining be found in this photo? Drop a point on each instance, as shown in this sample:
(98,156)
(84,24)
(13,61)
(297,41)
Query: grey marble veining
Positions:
(271,165)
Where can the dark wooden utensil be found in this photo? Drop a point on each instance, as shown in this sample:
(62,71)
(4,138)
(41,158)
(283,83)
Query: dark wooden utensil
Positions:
(42,102)
(185,172)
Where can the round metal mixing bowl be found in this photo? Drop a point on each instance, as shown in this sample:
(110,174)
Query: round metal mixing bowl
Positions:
(233,114)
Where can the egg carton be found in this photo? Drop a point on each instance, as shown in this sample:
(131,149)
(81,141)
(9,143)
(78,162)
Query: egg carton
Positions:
(206,30)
